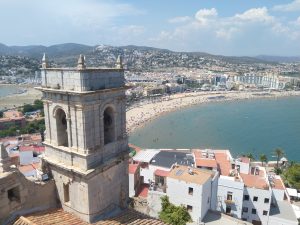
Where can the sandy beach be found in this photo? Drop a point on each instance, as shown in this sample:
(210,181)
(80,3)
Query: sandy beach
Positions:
(139,114)
(12,101)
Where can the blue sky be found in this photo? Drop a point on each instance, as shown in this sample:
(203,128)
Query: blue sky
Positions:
(228,27)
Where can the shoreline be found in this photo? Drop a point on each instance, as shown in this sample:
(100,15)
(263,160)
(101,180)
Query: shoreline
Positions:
(27,96)
(141,114)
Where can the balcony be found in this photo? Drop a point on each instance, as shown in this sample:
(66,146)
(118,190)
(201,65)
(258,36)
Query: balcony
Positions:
(229,202)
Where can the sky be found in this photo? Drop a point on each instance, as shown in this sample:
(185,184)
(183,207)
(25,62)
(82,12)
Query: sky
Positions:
(226,27)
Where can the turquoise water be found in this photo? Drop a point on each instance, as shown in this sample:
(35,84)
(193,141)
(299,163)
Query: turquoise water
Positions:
(9,90)
(256,126)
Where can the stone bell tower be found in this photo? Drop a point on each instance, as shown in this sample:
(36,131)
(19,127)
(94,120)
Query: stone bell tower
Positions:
(86,142)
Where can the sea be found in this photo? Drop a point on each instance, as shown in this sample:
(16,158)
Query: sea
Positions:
(255,126)
(6,90)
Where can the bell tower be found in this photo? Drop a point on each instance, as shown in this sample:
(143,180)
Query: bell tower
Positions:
(86,142)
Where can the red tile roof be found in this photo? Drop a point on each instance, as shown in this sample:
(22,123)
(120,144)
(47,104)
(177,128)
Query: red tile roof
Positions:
(245,159)
(143,191)
(161,173)
(206,163)
(132,168)
(60,217)
(30,167)
(26,148)
(278,184)
(223,163)
(255,181)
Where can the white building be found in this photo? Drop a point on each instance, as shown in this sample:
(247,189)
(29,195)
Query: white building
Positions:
(208,179)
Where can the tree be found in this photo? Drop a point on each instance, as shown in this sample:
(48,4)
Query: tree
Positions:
(279,153)
(171,214)
(38,104)
(250,156)
(263,158)
(292,176)
(28,108)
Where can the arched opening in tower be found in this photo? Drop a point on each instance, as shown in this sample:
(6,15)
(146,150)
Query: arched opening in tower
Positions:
(61,128)
(109,126)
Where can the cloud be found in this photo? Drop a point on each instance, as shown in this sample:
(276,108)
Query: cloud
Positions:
(254,31)
(205,15)
(290,7)
(255,15)
(179,19)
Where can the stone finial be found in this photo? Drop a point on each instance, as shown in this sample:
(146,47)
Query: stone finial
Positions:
(44,61)
(81,62)
(119,63)
(4,159)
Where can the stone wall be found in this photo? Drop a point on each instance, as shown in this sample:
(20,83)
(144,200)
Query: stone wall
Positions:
(19,195)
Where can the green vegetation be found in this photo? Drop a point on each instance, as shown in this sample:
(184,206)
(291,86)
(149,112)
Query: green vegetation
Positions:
(250,156)
(263,158)
(291,176)
(171,214)
(279,153)
(32,127)
(37,105)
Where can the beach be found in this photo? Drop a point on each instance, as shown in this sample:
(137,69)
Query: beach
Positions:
(15,100)
(142,113)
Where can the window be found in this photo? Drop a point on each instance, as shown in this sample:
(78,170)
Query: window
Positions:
(66,192)
(246,197)
(191,190)
(245,209)
(229,196)
(109,125)
(265,213)
(255,198)
(189,208)
(13,194)
(253,211)
(267,200)
(244,219)
(61,127)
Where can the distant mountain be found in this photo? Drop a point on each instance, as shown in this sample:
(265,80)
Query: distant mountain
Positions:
(280,59)
(135,57)
(36,51)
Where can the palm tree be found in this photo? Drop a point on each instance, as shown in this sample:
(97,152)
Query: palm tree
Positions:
(263,158)
(250,156)
(279,153)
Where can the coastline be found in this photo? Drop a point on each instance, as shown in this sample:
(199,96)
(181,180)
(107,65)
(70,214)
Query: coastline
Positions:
(143,113)
(28,95)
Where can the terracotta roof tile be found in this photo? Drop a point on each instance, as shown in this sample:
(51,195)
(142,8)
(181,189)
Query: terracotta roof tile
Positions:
(132,168)
(223,163)
(60,217)
(161,173)
(255,181)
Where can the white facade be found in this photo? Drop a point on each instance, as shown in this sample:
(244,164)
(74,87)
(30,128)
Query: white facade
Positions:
(229,186)
(199,200)
(258,205)
(26,157)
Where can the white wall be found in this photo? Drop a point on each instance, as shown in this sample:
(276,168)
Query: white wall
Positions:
(178,192)
(131,185)
(228,184)
(278,194)
(214,192)
(26,157)
(259,205)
